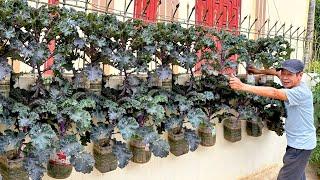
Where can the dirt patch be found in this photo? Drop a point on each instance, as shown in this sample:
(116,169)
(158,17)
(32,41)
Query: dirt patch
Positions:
(271,173)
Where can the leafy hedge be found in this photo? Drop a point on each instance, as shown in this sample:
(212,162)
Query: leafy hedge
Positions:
(315,156)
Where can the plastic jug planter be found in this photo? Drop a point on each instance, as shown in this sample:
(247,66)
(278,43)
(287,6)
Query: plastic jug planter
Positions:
(59,167)
(232,129)
(178,144)
(5,87)
(140,151)
(11,167)
(96,86)
(266,80)
(105,160)
(207,135)
(251,79)
(167,84)
(254,128)
(271,126)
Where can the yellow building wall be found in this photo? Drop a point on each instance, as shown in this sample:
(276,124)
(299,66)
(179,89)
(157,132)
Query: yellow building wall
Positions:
(289,12)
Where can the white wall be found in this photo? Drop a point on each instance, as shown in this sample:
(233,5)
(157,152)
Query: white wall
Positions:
(224,160)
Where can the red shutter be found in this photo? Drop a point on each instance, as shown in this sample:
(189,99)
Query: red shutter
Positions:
(51,46)
(226,11)
(145,9)
(234,14)
(220,12)
(53,2)
(204,12)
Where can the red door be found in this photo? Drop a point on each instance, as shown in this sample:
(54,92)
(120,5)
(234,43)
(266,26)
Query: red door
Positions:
(145,9)
(222,14)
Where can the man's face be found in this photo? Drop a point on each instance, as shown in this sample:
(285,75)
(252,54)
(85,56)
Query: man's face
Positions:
(289,79)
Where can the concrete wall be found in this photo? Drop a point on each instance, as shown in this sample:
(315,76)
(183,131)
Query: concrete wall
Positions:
(224,160)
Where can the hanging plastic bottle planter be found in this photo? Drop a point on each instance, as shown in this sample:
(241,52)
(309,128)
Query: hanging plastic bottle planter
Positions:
(178,144)
(207,135)
(254,127)
(232,129)
(140,151)
(105,160)
(5,86)
(11,166)
(59,166)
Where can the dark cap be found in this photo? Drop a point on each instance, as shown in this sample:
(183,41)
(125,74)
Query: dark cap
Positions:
(292,65)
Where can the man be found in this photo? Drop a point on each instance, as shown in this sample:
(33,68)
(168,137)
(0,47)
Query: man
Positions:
(299,127)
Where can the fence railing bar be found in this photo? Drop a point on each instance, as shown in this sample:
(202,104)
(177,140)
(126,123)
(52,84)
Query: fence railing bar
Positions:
(88,6)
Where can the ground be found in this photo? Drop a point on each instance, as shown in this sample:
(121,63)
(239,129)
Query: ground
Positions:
(270,173)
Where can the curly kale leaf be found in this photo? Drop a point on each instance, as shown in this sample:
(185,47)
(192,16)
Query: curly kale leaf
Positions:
(99,115)
(173,122)
(47,106)
(127,127)
(101,131)
(70,145)
(69,103)
(196,116)
(160,147)
(188,60)
(109,104)
(183,104)
(36,161)
(248,113)
(156,111)
(34,168)
(42,136)
(164,73)
(5,69)
(147,134)
(192,138)
(160,99)
(131,104)
(10,140)
(79,43)
(27,121)
(82,118)
(82,162)
(21,109)
(208,95)
(87,103)
(7,122)
(116,113)
(122,152)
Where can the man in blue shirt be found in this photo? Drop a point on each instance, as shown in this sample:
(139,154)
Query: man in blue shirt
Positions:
(299,127)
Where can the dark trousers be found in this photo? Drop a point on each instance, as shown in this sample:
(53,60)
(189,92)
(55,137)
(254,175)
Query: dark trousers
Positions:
(294,164)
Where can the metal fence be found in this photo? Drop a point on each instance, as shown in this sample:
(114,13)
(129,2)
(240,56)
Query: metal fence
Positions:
(296,36)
